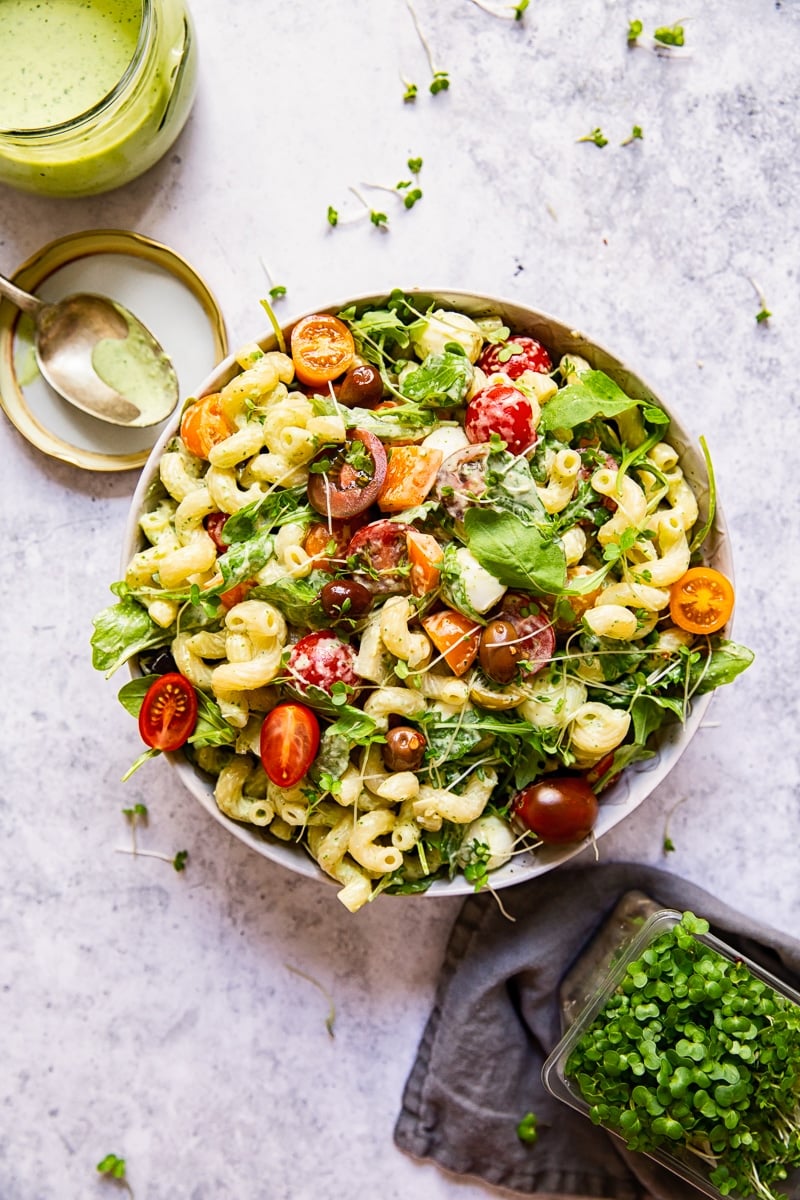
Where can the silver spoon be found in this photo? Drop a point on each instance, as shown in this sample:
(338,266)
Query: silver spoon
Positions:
(100,357)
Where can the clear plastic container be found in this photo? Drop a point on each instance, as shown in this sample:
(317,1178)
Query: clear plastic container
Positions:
(60,137)
(595,978)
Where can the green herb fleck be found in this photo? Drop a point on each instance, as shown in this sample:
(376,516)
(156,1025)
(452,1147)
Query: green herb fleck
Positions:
(634,135)
(277,292)
(333,216)
(179,861)
(763,315)
(410,94)
(414,165)
(439,83)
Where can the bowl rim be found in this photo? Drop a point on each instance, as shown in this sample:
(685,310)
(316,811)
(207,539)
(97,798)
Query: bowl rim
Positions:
(671,741)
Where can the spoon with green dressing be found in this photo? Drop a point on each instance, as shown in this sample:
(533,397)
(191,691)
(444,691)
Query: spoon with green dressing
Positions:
(100,357)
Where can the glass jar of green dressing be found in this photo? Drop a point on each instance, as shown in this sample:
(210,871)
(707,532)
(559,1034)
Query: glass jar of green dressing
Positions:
(94,91)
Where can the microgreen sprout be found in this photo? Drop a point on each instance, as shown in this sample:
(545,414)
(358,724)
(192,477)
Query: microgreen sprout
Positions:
(414,165)
(634,32)
(526,1129)
(634,135)
(138,814)
(331,1017)
(692,1053)
(113,1167)
(509,12)
(763,313)
(440,80)
(411,90)
(276,290)
(596,136)
(668,844)
(669,35)
(333,215)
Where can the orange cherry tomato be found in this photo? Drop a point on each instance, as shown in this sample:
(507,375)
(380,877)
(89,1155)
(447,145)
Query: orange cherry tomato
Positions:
(169,712)
(322,348)
(455,636)
(701,601)
(236,594)
(204,424)
(425,555)
(289,742)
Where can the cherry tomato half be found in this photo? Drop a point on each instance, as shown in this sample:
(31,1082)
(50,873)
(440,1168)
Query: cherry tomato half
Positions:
(504,411)
(213,524)
(169,712)
(514,357)
(204,424)
(322,348)
(455,636)
(558,810)
(379,554)
(701,601)
(289,742)
(352,478)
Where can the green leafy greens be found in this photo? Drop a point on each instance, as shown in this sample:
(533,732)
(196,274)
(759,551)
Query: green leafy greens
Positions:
(694,1055)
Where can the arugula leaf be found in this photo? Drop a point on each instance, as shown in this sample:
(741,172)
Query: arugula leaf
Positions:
(519,555)
(441,381)
(357,727)
(727,660)
(298,599)
(594,395)
(242,560)
(377,323)
(122,630)
(270,510)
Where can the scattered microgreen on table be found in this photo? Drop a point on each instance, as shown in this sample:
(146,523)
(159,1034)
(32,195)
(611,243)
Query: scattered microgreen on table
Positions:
(695,1056)
(526,1129)
(440,79)
(112,1167)
(597,137)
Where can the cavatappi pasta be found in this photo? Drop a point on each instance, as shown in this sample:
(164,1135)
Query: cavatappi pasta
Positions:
(446,541)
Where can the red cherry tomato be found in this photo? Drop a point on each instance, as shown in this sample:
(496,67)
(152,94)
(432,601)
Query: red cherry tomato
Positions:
(320,660)
(289,742)
(214,524)
(537,638)
(169,712)
(380,554)
(558,810)
(352,479)
(504,411)
(518,354)
(322,348)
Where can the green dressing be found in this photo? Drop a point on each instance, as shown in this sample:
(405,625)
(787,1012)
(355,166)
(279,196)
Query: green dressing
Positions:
(60,58)
(93,91)
(137,369)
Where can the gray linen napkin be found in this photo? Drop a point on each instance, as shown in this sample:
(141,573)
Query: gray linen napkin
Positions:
(496,1017)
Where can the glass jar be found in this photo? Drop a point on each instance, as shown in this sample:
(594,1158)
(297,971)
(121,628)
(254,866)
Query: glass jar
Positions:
(122,132)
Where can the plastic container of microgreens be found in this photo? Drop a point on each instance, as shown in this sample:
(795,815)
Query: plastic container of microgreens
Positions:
(693,1089)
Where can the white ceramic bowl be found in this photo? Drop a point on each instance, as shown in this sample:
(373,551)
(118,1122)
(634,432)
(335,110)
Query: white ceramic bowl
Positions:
(638,780)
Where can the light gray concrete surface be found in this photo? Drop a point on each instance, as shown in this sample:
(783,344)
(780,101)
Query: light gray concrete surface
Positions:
(156,1014)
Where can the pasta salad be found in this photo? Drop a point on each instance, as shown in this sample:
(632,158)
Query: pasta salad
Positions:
(413,592)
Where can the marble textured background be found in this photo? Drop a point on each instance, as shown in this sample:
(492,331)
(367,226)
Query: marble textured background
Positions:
(158,1015)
